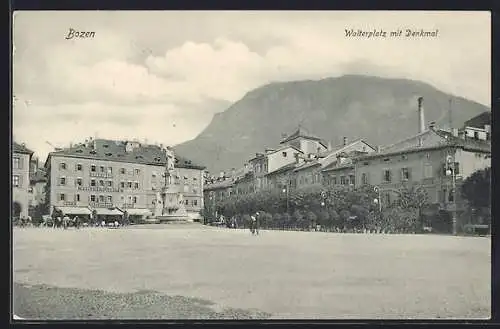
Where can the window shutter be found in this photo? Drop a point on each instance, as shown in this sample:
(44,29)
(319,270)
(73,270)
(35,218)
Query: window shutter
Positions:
(409,173)
(20,181)
(20,163)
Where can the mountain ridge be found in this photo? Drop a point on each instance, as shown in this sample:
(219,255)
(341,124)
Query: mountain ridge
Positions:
(353,106)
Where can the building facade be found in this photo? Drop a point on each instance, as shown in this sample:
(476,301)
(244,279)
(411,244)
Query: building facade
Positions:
(21,158)
(104,174)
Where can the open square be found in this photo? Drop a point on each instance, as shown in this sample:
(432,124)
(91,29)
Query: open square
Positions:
(276,275)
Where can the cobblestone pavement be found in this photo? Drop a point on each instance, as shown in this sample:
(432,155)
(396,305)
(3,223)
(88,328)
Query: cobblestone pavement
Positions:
(191,271)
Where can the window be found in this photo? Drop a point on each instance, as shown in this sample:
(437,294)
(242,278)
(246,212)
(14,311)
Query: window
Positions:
(195,202)
(129,184)
(62,197)
(195,191)
(122,184)
(16,181)
(77,197)
(62,166)
(153,187)
(78,167)
(284,154)
(137,171)
(136,185)
(79,182)
(186,202)
(92,182)
(364,179)
(110,199)
(153,175)
(135,199)
(405,174)
(195,181)
(92,168)
(30,190)
(62,181)
(110,170)
(122,171)
(16,163)
(101,182)
(404,157)
(334,180)
(343,181)
(428,171)
(92,198)
(388,199)
(476,135)
(101,198)
(457,168)
(387,176)
(110,183)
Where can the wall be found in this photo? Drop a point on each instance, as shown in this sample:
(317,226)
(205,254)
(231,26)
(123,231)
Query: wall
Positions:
(276,160)
(149,179)
(20,194)
(310,146)
(308,176)
(333,177)
(37,194)
(471,162)
(191,181)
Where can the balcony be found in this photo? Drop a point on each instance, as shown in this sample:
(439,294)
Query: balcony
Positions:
(69,203)
(97,189)
(101,174)
(96,204)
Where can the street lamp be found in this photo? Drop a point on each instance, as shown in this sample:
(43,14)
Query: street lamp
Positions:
(285,190)
(379,199)
(450,171)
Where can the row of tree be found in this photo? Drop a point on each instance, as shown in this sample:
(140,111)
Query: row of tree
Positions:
(339,208)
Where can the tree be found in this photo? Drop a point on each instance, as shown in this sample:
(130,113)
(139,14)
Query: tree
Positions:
(412,201)
(277,221)
(310,219)
(476,189)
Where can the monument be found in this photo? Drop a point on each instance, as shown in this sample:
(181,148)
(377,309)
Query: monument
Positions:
(170,202)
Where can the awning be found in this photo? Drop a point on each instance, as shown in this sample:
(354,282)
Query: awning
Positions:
(108,212)
(138,212)
(75,210)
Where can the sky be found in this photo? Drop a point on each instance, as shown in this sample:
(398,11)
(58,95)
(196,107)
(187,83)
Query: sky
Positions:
(160,76)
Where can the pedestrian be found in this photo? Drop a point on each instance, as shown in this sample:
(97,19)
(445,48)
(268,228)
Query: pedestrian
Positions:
(76,222)
(65,221)
(253,224)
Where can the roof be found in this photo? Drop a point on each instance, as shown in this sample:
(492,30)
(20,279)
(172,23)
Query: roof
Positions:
(432,139)
(333,166)
(219,185)
(110,150)
(308,164)
(327,160)
(300,132)
(479,121)
(138,211)
(108,212)
(75,210)
(38,176)
(20,148)
(284,168)
(283,147)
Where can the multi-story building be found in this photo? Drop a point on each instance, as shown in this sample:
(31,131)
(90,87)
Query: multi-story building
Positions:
(21,158)
(111,177)
(435,159)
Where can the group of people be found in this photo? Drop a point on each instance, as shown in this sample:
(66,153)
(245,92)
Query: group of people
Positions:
(64,222)
(23,221)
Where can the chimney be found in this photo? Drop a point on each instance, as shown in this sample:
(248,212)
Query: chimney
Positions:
(487,128)
(432,125)
(296,158)
(345,141)
(233,172)
(283,136)
(421,120)
(377,149)
(329,146)
(454,132)
(461,134)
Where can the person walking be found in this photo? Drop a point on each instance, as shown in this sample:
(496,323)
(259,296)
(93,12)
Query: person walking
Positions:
(253,224)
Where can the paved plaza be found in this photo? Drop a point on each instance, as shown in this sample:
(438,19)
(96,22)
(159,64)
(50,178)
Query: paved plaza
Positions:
(193,271)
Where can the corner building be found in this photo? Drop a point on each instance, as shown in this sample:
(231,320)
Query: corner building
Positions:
(110,177)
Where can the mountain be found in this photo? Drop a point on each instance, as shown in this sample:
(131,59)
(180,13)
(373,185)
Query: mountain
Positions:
(379,110)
